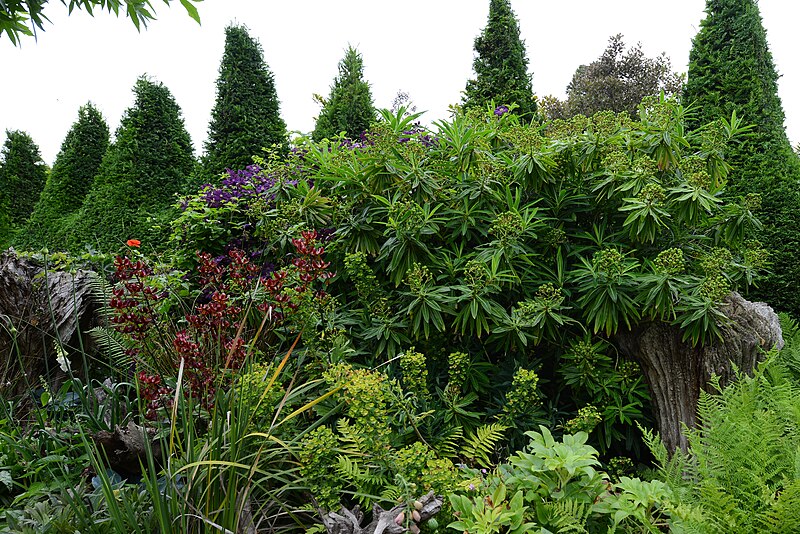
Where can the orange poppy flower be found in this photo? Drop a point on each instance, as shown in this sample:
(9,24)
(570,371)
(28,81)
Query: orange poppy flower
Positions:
(134,242)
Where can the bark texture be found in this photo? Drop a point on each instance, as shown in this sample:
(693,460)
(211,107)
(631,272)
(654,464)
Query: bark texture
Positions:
(126,447)
(38,307)
(392,521)
(676,372)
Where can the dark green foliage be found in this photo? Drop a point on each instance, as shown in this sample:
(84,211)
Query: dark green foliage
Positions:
(25,17)
(349,107)
(144,168)
(70,180)
(731,69)
(616,81)
(22,178)
(501,67)
(246,115)
(508,255)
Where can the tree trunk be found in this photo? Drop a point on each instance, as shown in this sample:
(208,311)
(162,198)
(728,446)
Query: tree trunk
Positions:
(676,372)
(38,308)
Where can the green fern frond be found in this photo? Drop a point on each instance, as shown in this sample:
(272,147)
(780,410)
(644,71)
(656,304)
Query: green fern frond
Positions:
(369,482)
(569,516)
(353,442)
(113,345)
(784,516)
(101,290)
(447,443)
(482,444)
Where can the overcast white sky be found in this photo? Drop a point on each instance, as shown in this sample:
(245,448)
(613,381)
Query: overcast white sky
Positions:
(423,47)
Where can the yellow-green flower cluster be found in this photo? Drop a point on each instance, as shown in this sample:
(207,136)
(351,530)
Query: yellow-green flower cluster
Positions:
(523,138)
(415,373)
(565,129)
(549,296)
(507,227)
(588,417)
(555,237)
(261,401)
(523,394)
(616,162)
(644,166)
(652,194)
(476,276)
(418,277)
(715,287)
(457,367)
(670,261)
(608,261)
(695,172)
(406,217)
(317,454)
(366,283)
(717,259)
(619,466)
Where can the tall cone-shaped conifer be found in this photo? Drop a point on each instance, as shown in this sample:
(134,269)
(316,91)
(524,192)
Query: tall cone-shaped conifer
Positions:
(501,67)
(22,178)
(349,107)
(246,115)
(731,69)
(141,172)
(69,182)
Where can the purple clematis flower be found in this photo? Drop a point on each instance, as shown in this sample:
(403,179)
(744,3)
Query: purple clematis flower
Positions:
(500,110)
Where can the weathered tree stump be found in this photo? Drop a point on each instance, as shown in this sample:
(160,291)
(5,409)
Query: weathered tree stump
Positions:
(126,447)
(676,372)
(38,308)
(383,521)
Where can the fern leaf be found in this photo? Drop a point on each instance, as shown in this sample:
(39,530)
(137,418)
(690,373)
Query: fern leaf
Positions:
(482,444)
(113,345)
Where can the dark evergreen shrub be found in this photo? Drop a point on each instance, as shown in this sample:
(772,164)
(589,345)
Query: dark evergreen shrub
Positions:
(148,163)
(69,182)
(22,178)
(731,70)
(501,67)
(246,115)
(349,107)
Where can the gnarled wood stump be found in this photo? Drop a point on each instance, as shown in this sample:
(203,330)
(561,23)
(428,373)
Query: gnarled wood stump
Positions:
(38,307)
(676,372)
(383,521)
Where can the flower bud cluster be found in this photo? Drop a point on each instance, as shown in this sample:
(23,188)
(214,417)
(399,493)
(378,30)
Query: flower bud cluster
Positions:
(670,261)
(587,418)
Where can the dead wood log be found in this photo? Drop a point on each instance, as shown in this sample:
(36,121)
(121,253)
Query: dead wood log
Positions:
(38,308)
(383,521)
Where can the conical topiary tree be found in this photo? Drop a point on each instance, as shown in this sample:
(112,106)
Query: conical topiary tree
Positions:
(22,178)
(349,107)
(69,182)
(501,67)
(246,115)
(731,69)
(141,172)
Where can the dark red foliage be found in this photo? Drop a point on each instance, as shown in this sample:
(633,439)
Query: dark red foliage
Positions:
(213,342)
